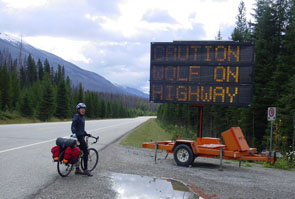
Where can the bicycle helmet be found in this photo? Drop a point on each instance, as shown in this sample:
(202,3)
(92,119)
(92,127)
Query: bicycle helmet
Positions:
(81,105)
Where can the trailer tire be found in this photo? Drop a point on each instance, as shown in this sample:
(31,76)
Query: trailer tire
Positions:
(183,155)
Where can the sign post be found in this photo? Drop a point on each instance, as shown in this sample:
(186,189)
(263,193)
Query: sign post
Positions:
(271,116)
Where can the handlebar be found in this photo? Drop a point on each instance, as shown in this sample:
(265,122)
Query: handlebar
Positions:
(96,138)
(90,136)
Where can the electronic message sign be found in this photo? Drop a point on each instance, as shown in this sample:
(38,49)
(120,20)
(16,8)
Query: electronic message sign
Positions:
(202,72)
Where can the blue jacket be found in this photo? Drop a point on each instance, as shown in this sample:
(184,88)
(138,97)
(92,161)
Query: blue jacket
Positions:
(78,125)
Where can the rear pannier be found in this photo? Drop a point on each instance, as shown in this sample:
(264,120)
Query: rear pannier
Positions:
(67,155)
(75,155)
(55,152)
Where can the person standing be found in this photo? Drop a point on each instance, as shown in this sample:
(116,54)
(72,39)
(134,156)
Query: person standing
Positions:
(78,128)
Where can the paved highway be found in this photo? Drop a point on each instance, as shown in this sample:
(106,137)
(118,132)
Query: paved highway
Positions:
(25,159)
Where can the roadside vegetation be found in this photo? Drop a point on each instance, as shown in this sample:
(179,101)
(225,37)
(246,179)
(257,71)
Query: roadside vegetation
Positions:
(150,131)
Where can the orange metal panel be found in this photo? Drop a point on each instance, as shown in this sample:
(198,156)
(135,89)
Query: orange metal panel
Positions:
(257,158)
(165,145)
(208,140)
(235,140)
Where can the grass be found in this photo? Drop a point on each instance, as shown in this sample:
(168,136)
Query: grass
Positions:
(14,118)
(149,131)
(281,163)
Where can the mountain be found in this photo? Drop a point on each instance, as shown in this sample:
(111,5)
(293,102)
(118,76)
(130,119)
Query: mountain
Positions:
(90,80)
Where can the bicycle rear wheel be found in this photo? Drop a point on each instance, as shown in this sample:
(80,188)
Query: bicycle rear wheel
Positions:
(92,159)
(63,169)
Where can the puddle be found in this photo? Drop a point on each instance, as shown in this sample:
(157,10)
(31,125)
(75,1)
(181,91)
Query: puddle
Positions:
(130,186)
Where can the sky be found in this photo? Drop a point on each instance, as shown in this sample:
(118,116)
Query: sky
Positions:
(112,37)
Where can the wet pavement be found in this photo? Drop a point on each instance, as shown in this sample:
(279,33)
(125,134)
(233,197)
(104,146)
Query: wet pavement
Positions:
(129,186)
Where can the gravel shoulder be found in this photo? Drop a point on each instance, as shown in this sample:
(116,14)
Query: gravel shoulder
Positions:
(232,182)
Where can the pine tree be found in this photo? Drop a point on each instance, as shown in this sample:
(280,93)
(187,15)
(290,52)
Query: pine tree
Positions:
(23,78)
(102,109)
(287,105)
(108,110)
(5,87)
(62,100)
(40,70)
(241,32)
(71,100)
(31,70)
(80,93)
(15,88)
(46,66)
(115,110)
(268,49)
(47,105)
(218,37)
(26,107)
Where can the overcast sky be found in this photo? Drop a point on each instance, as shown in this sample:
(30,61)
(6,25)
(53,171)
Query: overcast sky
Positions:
(112,37)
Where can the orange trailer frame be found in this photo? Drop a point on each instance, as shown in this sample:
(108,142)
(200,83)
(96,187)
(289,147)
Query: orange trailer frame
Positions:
(235,147)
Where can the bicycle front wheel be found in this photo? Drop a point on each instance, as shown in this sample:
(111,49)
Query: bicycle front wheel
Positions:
(92,159)
(63,169)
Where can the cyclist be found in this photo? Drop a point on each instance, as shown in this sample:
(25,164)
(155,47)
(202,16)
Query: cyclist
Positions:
(78,128)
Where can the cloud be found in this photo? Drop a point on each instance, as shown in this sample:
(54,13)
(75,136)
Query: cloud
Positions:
(158,16)
(68,49)
(112,38)
(24,4)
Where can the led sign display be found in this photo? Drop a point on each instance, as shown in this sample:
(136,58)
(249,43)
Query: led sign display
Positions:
(202,72)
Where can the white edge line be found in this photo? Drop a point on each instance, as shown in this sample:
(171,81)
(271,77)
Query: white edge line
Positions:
(29,145)
(12,149)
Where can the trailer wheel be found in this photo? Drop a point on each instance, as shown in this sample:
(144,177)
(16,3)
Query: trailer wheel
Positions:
(183,155)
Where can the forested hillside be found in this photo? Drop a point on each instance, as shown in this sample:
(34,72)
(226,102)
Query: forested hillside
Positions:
(273,34)
(37,91)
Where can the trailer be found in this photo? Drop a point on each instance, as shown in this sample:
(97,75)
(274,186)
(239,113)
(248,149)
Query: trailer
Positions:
(235,147)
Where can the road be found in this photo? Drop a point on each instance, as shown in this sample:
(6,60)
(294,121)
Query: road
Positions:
(25,159)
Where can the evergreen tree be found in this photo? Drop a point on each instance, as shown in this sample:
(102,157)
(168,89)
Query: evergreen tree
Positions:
(287,105)
(266,55)
(15,88)
(47,105)
(81,93)
(95,105)
(71,102)
(115,110)
(36,91)
(5,87)
(22,75)
(62,100)
(241,32)
(26,107)
(40,70)
(31,70)
(46,66)
(108,110)
(102,109)
(218,37)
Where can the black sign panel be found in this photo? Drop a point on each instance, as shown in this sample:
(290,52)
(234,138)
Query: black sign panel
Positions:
(202,72)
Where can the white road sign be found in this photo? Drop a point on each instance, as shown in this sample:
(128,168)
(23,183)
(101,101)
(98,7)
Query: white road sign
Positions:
(271,113)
